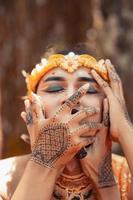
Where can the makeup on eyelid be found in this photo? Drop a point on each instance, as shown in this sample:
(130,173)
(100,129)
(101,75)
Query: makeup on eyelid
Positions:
(93,89)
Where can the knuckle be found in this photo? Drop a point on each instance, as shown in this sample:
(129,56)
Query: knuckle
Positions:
(90,110)
(104,84)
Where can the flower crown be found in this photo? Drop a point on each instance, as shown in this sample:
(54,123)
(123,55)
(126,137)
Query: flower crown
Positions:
(69,62)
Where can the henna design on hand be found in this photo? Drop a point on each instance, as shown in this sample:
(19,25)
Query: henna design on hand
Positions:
(89,110)
(52,143)
(104,84)
(91,124)
(114,76)
(29,119)
(106,120)
(74,98)
(105,176)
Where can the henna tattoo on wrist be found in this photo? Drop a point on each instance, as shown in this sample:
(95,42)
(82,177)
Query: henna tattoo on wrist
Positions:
(105,173)
(51,144)
(29,119)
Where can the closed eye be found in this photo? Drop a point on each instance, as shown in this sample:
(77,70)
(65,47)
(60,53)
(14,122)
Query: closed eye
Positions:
(92,90)
(55,88)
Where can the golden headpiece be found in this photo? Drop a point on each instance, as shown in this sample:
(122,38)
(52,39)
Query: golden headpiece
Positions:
(69,62)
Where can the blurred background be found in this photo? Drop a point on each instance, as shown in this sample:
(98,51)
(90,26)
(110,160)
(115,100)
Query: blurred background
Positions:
(29,27)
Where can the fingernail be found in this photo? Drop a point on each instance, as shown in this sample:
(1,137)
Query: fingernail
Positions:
(22,113)
(93,71)
(108,62)
(26,102)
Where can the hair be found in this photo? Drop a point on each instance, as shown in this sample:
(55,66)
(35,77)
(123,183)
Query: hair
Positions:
(80,48)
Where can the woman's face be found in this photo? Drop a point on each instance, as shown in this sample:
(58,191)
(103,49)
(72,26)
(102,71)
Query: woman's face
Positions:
(58,85)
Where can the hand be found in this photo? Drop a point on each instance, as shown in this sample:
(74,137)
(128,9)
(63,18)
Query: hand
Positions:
(56,140)
(119,119)
(97,163)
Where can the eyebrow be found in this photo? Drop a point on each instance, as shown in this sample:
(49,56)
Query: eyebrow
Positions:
(54,78)
(88,79)
(58,78)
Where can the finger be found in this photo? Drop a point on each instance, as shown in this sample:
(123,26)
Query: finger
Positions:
(101,135)
(116,81)
(88,129)
(29,118)
(25,138)
(101,62)
(23,115)
(74,99)
(106,120)
(83,142)
(84,150)
(121,92)
(27,105)
(37,109)
(113,77)
(103,84)
(84,113)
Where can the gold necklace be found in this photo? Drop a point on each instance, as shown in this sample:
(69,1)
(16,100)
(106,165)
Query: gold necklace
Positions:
(77,187)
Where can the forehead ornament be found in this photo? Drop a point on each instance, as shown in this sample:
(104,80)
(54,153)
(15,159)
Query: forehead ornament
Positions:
(69,62)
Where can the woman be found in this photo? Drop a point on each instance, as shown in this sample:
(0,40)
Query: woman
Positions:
(69,100)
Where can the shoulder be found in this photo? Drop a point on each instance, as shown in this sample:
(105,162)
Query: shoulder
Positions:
(11,170)
(122,174)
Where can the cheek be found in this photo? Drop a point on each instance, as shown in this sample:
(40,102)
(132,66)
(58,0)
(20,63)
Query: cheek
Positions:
(50,105)
(97,102)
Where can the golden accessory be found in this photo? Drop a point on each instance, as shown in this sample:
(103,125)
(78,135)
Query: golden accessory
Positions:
(73,187)
(69,62)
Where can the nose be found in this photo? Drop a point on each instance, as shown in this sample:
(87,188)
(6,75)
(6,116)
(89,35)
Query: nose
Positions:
(75,108)
(66,96)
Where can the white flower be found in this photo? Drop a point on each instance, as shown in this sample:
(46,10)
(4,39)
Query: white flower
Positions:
(33,72)
(39,67)
(44,61)
(71,54)
(24,73)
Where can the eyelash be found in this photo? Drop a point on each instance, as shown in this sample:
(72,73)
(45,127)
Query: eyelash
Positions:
(92,90)
(58,89)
